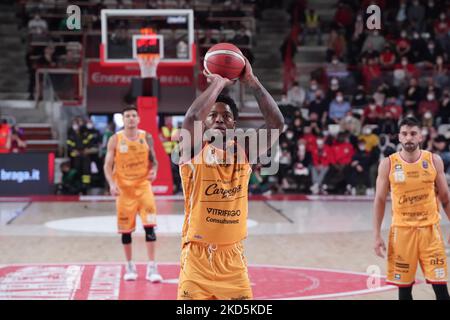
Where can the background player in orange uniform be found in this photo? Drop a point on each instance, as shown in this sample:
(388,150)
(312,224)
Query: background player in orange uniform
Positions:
(130,166)
(213,265)
(416,180)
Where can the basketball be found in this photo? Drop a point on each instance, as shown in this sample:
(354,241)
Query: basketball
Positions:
(224,59)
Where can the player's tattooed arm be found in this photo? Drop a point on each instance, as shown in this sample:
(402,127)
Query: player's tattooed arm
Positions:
(151,153)
(269,108)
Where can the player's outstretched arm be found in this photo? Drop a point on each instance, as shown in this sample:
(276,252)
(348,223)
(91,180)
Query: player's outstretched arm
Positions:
(382,189)
(109,164)
(269,108)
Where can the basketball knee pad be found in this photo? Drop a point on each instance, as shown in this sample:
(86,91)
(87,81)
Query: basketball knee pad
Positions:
(126,238)
(150,234)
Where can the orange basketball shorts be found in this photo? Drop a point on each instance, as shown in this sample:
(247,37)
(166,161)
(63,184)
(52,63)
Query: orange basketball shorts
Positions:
(213,272)
(134,201)
(409,246)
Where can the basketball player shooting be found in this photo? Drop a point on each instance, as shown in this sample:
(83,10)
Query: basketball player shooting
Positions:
(416,180)
(213,265)
(130,167)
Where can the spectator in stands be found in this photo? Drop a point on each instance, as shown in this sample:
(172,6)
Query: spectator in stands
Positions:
(5,136)
(372,114)
(70,60)
(38,28)
(315,123)
(70,183)
(297,127)
(336,69)
(403,45)
(374,40)
(311,91)
(401,15)
(440,72)
(431,53)
(343,152)
(350,124)
(412,96)
(296,95)
(443,116)
(285,160)
(403,72)
(322,158)
(301,168)
(92,141)
(441,32)
(310,132)
(387,58)
(430,104)
(319,106)
(418,48)
(47,60)
(440,147)
(358,180)
(241,38)
(370,139)
(338,108)
(335,86)
(357,40)
(393,108)
(371,73)
(257,183)
(312,26)
(18,143)
(336,46)
(343,17)
(359,99)
(386,147)
(416,15)
(76,151)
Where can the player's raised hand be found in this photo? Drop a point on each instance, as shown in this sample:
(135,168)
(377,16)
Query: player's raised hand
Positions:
(380,247)
(247,75)
(211,77)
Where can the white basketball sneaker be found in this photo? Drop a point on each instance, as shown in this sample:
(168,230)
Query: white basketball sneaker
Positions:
(130,272)
(152,273)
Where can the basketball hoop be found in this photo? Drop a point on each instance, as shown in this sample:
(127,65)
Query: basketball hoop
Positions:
(148,63)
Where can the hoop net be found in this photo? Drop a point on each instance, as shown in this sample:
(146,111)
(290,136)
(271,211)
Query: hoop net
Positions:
(148,62)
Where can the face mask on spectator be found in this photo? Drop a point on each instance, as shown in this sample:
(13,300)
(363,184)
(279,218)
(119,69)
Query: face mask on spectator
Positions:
(431,46)
(367,131)
(404,63)
(416,36)
(372,107)
(362,147)
(301,148)
(89,126)
(75,127)
(289,135)
(430,97)
(313,87)
(424,132)
(442,16)
(334,61)
(403,34)
(427,115)
(339,99)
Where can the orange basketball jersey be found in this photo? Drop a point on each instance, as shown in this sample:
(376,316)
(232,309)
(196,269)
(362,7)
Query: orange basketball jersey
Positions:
(414,200)
(216,197)
(131,163)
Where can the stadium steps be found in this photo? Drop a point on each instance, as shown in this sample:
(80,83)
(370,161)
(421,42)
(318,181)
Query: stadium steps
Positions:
(39,137)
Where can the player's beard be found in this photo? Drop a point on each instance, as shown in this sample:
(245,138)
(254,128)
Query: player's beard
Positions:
(410,147)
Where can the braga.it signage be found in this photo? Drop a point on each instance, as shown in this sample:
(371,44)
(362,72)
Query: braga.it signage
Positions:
(26,174)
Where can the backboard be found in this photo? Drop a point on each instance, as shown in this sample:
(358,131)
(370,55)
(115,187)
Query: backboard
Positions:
(122,35)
